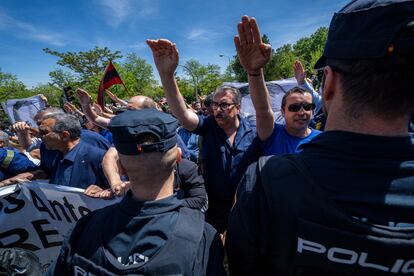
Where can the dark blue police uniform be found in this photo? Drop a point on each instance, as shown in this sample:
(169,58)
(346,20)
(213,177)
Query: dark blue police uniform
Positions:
(355,216)
(142,238)
(159,237)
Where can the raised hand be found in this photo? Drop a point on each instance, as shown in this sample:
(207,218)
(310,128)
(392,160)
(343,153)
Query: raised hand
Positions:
(165,55)
(98,109)
(111,95)
(299,72)
(83,96)
(252,52)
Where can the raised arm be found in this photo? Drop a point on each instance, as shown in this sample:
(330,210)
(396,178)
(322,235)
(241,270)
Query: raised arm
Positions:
(22,130)
(253,55)
(115,98)
(166,59)
(86,103)
(300,76)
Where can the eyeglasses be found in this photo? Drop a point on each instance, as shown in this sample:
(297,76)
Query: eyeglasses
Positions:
(297,106)
(222,106)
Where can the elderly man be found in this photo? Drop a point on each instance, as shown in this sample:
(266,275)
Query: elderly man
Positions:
(355,218)
(77,164)
(149,232)
(227,138)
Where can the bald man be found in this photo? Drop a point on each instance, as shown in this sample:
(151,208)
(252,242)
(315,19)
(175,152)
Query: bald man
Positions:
(134,103)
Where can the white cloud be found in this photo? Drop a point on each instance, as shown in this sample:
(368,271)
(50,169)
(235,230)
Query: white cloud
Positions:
(201,34)
(119,11)
(29,31)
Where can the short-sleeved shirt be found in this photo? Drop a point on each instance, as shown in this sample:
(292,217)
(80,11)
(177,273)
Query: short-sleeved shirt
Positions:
(223,163)
(281,142)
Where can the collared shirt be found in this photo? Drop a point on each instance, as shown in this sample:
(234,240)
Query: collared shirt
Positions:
(47,157)
(63,167)
(223,163)
(80,168)
(281,142)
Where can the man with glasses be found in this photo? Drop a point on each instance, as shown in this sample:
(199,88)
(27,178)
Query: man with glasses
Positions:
(355,218)
(229,142)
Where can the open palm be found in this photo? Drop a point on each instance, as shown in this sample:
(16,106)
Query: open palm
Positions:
(165,55)
(252,52)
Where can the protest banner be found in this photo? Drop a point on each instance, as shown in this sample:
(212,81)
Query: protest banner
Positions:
(36,216)
(276,88)
(23,110)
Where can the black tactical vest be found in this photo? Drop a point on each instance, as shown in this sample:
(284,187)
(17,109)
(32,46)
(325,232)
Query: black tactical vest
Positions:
(182,254)
(311,235)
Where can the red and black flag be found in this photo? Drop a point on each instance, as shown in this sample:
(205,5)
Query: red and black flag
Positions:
(109,78)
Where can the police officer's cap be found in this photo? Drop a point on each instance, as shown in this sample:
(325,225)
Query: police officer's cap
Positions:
(366,29)
(127,126)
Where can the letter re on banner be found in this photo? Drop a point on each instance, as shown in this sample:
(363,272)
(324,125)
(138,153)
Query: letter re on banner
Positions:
(36,216)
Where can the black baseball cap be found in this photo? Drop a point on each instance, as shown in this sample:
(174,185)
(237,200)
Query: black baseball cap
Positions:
(127,126)
(366,29)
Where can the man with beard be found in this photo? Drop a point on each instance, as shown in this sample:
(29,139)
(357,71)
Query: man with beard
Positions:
(228,145)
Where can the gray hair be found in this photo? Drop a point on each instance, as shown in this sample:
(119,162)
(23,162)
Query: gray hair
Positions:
(4,137)
(65,122)
(234,91)
(47,111)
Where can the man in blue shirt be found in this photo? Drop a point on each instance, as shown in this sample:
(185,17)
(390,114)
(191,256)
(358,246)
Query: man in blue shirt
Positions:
(297,107)
(227,145)
(77,164)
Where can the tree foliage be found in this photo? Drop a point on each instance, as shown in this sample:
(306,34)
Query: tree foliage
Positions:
(85,64)
(11,87)
(85,69)
(307,50)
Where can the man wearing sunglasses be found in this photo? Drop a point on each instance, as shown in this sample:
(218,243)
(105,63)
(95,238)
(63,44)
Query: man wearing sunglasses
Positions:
(297,109)
(356,216)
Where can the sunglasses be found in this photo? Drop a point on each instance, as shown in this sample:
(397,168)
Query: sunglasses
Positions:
(297,106)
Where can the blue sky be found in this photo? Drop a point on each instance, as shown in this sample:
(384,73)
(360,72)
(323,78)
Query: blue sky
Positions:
(202,29)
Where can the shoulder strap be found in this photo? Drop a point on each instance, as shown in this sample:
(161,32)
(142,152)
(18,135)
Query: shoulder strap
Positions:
(8,159)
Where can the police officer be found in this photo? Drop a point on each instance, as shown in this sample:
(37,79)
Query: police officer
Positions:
(345,204)
(149,232)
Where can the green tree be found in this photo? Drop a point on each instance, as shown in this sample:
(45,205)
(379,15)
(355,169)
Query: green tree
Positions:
(137,75)
(241,74)
(283,60)
(61,79)
(11,87)
(204,78)
(307,48)
(85,64)
(53,94)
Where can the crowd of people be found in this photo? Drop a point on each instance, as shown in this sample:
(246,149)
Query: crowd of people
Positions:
(282,199)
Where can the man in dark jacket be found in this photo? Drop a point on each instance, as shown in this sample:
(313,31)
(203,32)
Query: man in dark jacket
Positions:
(345,204)
(149,232)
